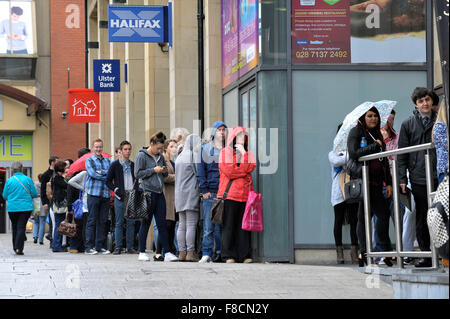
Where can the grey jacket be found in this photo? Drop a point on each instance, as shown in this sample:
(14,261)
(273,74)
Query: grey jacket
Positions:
(144,169)
(187,193)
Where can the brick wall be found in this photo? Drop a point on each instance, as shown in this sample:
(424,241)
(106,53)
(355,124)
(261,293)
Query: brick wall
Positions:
(67,38)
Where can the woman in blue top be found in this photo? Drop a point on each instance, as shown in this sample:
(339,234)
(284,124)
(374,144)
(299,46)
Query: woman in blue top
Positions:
(18,193)
(441,142)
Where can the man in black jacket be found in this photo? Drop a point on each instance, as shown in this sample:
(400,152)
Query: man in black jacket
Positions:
(416,130)
(120,179)
(46,176)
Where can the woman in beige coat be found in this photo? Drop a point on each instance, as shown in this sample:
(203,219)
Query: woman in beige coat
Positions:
(170,151)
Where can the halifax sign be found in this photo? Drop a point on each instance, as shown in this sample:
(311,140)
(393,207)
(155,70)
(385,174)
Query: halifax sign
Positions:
(130,23)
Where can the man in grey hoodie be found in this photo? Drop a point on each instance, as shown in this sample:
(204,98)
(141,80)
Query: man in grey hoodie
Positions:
(150,168)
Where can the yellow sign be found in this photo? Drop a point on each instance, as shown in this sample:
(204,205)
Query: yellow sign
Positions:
(18,147)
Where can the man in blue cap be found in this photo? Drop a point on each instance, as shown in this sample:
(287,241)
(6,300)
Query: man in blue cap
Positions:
(208,178)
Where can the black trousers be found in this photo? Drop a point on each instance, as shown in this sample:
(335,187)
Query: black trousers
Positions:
(340,211)
(19,223)
(379,207)
(235,241)
(422,232)
(170,225)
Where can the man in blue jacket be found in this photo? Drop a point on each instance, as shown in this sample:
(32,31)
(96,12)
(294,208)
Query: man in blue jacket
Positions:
(208,178)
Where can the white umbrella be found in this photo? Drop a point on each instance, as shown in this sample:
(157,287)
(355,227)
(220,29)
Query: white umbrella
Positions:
(384,108)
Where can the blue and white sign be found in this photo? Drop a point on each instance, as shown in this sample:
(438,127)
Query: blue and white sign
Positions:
(106,75)
(128,23)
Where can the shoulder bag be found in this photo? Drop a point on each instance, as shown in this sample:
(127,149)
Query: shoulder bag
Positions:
(352,189)
(137,203)
(218,206)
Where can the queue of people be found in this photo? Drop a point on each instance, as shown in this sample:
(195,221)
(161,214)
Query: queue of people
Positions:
(368,137)
(182,176)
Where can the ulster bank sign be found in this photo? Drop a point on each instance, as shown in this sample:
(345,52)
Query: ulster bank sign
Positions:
(127,23)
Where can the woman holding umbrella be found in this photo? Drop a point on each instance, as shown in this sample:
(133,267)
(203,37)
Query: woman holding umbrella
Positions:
(368,128)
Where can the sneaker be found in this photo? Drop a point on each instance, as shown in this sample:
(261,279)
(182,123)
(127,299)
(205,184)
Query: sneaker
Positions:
(205,259)
(230,261)
(91,252)
(143,257)
(131,251)
(168,257)
(117,251)
(103,251)
(248,261)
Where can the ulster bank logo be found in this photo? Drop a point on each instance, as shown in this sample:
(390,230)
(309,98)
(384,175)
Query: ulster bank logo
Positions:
(143,23)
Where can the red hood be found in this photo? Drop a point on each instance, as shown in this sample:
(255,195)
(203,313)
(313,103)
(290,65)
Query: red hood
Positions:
(235,132)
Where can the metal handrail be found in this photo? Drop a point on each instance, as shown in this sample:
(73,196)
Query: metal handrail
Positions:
(399,151)
(398,236)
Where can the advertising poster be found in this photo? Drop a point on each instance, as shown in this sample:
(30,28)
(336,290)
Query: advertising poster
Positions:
(240,37)
(321,31)
(358,31)
(230,42)
(388,31)
(16,27)
(84,106)
(248,35)
(16,148)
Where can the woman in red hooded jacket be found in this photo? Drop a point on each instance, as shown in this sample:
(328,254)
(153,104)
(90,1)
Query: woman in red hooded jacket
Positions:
(235,166)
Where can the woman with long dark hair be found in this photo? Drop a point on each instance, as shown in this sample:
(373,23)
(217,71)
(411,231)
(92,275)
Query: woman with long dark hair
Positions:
(368,127)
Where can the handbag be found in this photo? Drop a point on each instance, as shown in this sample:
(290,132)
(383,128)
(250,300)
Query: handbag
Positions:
(77,205)
(252,220)
(353,191)
(438,219)
(61,208)
(137,203)
(68,229)
(217,206)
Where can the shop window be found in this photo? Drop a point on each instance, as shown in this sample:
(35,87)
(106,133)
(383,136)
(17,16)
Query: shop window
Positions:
(321,100)
(17,40)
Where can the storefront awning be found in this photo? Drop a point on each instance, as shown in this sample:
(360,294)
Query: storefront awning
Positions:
(34,103)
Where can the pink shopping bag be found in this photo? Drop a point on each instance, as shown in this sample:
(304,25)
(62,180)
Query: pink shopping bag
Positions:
(252,220)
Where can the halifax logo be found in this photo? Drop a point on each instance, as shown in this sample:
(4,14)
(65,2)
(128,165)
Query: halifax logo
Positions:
(137,23)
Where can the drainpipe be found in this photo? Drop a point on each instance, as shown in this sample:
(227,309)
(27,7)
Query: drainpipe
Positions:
(201,82)
(86,59)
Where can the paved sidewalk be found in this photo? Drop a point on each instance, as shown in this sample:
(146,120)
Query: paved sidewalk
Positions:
(43,274)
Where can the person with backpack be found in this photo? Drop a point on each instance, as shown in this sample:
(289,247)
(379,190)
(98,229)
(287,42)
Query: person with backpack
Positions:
(208,177)
(150,168)
(235,166)
(45,191)
(18,192)
(187,198)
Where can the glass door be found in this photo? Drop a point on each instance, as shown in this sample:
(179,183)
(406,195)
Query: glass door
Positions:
(248,119)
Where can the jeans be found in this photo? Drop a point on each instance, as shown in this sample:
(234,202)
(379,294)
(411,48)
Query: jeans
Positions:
(212,233)
(97,217)
(119,210)
(57,237)
(19,223)
(158,209)
(39,227)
